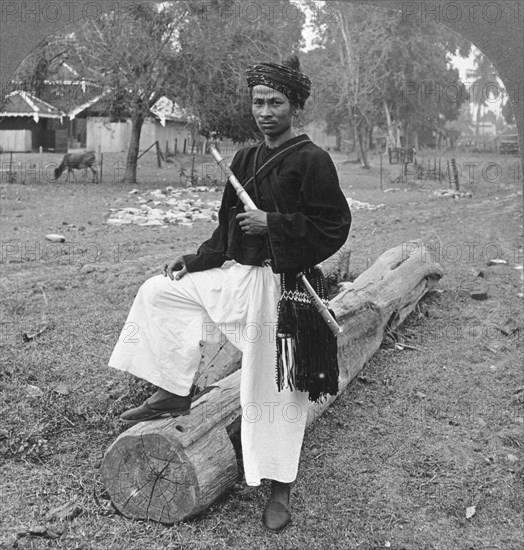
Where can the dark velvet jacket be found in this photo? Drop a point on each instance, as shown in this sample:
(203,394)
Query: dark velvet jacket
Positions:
(308,216)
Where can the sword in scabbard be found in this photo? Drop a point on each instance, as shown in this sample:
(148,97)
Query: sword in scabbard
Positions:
(250,205)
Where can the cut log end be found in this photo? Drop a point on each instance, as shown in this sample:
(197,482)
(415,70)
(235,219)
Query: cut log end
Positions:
(151,475)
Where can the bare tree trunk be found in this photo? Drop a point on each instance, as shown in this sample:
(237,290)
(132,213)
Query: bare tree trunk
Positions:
(355,139)
(137,121)
(397,135)
(391,134)
(477,123)
(415,140)
(405,127)
(361,143)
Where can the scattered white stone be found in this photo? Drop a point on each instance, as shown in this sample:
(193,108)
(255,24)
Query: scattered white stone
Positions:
(117,221)
(152,222)
(34,391)
(200,216)
(452,193)
(53,237)
(174,206)
(359,205)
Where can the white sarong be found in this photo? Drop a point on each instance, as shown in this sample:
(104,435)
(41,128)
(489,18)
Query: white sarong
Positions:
(161,339)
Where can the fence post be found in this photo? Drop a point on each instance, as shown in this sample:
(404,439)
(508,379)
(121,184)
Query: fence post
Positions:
(176,145)
(167,150)
(158,154)
(185,145)
(455,174)
(381,154)
(101,166)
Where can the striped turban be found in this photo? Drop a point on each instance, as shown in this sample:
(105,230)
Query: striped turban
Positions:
(290,81)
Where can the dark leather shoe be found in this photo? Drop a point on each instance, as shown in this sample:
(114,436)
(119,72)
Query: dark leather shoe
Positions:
(276,515)
(172,406)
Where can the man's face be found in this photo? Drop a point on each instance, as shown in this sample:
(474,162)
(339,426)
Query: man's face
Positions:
(272,111)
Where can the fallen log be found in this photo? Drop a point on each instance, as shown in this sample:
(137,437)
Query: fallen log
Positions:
(171,469)
(336,268)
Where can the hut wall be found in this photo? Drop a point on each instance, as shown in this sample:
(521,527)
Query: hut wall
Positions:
(41,133)
(17,141)
(113,137)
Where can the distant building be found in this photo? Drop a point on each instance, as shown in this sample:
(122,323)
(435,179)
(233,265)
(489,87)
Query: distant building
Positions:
(63,89)
(87,118)
(506,142)
(487,130)
(92,128)
(28,123)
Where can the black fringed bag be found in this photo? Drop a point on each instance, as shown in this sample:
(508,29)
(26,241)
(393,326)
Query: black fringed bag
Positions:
(306,346)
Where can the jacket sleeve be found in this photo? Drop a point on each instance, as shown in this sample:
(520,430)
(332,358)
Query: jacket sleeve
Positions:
(320,222)
(212,253)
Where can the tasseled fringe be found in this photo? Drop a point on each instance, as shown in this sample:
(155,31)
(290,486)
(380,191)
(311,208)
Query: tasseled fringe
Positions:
(286,349)
(306,348)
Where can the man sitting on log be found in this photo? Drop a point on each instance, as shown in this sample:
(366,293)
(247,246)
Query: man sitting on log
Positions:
(255,300)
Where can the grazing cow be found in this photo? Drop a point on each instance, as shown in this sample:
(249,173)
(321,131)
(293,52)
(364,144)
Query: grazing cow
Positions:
(77,161)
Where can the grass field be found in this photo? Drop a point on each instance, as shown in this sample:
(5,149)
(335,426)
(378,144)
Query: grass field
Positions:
(421,437)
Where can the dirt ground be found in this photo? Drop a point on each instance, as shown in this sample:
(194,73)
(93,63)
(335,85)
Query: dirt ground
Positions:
(423,451)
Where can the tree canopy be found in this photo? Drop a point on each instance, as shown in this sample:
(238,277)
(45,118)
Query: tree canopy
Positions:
(369,68)
(216,45)
(389,73)
(193,53)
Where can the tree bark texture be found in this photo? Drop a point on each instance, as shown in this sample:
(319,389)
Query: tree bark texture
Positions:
(137,121)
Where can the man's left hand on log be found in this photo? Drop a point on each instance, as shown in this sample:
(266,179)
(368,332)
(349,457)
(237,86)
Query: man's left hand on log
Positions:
(176,265)
(253,222)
